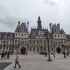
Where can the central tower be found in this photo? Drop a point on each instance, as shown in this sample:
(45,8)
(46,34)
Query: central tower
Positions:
(39,27)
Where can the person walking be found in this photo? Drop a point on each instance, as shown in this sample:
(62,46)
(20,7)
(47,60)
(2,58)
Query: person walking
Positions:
(64,52)
(53,53)
(17,60)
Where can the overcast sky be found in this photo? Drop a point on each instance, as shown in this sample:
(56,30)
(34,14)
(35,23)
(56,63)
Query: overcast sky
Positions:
(55,11)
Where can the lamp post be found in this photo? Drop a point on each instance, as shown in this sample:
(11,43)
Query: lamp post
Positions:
(54,49)
(67,49)
(48,35)
(27,47)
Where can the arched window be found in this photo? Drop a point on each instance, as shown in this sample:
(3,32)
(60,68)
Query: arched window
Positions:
(22,35)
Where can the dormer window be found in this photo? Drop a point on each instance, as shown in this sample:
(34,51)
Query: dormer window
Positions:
(57,29)
(16,34)
(22,29)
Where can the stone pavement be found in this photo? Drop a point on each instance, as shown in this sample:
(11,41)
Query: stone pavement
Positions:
(39,62)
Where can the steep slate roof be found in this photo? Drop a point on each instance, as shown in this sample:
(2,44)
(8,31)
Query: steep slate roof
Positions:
(54,27)
(34,32)
(18,29)
(68,36)
(62,31)
(7,33)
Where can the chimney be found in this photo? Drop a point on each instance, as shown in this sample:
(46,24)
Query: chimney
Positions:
(50,25)
(27,25)
(58,24)
(18,23)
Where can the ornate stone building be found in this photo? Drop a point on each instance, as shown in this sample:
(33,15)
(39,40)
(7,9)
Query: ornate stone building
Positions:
(34,42)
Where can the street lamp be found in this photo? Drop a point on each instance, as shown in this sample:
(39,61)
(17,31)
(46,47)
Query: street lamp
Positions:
(27,47)
(48,35)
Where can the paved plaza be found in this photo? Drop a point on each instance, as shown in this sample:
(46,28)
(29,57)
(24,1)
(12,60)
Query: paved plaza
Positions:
(39,62)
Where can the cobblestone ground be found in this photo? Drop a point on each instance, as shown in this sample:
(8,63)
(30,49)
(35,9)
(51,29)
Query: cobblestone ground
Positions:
(39,62)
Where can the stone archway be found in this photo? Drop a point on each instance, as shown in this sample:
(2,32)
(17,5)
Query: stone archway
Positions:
(23,50)
(58,49)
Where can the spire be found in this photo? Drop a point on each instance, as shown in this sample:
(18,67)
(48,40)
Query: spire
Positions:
(39,23)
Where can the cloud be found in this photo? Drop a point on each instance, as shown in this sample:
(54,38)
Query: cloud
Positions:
(9,21)
(54,3)
(50,2)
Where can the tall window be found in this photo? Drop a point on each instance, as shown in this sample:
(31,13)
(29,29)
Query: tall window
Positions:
(22,29)
(58,35)
(16,34)
(22,35)
(30,41)
(37,41)
(44,42)
(55,35)
(37,49)
(44,48)
(59,43)
(34,41)
(41,41)
(25,35)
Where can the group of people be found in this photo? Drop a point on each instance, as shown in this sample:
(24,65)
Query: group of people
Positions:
(5,55)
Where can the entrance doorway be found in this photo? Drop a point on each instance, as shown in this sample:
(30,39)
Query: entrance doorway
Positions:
(23,50)
(58,50)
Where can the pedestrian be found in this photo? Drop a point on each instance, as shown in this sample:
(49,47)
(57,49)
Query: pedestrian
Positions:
(8,53)
(67,53)
(45,54)
(54,53)
(64,54)
(17,60)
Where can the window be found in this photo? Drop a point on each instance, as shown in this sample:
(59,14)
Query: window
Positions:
(55,35)
(22,29)
(37,49)
(34,41)
(19,34)
(37,41)
(2,36)
(30,41)
(56,43)
(41,41)
(33,48)
(25,35)
(58,35)
(8,36)
(6,48)
(22,35)
(44,48)
(16,34)
(44,41)
(59,43)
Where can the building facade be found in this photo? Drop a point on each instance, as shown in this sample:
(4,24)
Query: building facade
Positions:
(34,42)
